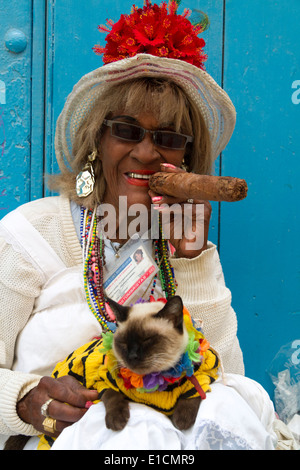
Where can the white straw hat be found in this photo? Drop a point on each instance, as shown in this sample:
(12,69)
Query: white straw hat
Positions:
(212,101)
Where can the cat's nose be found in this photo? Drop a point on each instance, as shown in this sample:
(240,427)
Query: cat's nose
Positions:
(133,354)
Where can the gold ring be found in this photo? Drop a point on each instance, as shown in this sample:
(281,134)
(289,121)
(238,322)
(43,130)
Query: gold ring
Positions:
(49,425)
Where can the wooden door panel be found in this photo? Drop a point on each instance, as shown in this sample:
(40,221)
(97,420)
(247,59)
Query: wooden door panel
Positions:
(15,105)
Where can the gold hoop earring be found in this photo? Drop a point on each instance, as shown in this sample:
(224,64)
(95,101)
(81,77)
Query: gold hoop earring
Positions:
(85,180)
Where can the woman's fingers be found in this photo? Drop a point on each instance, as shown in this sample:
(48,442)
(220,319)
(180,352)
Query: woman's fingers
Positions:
(164,198)
(185,223)
(186,226)
(67,406)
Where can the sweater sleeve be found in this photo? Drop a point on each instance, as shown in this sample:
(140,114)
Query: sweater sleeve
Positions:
(19,285)
(204,293)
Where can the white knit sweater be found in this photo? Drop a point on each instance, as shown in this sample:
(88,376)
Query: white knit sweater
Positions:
(200,284)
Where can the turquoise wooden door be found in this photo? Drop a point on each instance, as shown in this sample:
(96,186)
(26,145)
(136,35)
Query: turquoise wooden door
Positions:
(254,53)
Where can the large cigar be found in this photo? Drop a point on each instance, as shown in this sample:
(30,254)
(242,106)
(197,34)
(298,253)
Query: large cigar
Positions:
(203,187)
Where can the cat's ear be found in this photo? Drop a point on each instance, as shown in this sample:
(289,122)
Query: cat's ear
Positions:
(120,311)
(173,311)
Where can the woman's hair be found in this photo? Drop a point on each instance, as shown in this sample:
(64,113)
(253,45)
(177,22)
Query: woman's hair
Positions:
(157,96)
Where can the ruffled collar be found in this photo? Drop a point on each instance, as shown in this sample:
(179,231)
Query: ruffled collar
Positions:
(159,381)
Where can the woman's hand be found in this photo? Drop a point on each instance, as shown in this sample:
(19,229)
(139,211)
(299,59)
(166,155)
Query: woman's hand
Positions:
(190,239)
(68,405)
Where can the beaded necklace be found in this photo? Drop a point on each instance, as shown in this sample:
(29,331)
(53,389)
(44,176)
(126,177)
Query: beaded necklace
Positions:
(94,260)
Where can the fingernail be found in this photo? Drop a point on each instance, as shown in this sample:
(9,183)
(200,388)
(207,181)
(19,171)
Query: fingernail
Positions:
(156,199)
(168,165)
(88,404)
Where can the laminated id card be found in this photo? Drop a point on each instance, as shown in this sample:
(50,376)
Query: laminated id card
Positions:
(132,275)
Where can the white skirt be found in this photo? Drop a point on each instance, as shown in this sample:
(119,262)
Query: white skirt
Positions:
(235,416)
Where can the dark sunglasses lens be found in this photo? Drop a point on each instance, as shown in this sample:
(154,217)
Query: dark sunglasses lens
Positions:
(127,131)
(170,140)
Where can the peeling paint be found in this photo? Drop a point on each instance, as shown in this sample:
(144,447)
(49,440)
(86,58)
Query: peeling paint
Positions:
(15,123)
(2,92)
(2,134)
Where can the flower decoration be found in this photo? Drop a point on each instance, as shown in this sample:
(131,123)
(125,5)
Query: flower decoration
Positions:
(107,342)
(155,30)
(131,379)
(193,347)
(154,381)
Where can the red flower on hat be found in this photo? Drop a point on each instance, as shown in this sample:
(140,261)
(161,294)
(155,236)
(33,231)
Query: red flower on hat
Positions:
(156,30)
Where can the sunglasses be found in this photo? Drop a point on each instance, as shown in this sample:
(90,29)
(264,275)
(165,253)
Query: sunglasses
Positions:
(133,133)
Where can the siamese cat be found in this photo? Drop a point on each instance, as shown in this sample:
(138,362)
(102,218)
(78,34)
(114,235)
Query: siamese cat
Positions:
(150,337)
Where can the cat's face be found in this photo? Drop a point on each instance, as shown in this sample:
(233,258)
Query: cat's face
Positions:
(151,337)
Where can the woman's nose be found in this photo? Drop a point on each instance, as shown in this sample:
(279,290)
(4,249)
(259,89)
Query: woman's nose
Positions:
(145,151)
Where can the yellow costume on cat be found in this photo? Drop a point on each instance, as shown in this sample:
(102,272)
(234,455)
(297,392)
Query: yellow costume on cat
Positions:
(94,366)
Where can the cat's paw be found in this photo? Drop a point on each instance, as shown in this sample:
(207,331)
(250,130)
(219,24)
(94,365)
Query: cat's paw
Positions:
(117,418)
(182,422)
(185,413)
(117,410)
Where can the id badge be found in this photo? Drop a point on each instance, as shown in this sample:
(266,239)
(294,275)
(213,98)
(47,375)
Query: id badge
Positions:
(134,271)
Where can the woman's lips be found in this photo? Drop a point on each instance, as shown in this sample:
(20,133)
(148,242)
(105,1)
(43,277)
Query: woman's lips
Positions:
(139,177)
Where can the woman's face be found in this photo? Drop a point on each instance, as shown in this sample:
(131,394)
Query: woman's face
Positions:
(124,163)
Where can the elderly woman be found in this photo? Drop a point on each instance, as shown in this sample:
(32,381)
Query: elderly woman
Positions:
(122,122)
